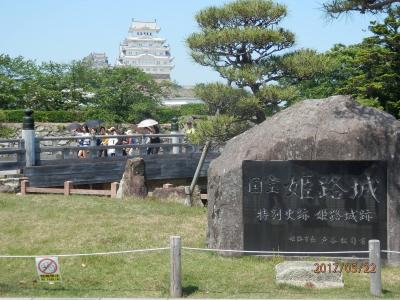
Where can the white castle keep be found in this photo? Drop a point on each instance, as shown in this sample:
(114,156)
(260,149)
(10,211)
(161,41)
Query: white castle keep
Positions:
(145,50)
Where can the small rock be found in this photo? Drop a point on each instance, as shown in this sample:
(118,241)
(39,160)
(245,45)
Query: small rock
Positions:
(170,192)
(9,185)
(62,143)
(46,143)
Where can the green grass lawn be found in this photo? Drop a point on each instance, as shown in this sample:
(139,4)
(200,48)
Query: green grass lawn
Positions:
(38,224)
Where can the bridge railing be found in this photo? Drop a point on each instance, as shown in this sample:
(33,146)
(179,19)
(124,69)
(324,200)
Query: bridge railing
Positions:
(12,154)
(169,144)
(31,149)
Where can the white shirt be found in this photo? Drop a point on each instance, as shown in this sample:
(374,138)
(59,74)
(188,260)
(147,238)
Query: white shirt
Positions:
(111,142)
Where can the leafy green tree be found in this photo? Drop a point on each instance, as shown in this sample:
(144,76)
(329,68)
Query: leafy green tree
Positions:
(278,97)
(347,75)
(117,94)
(46,88)
(82,81)
(230,107)
(217,129)
(336,7)
(241,40)
(223,99)
(127,93)
(378,65)
(338,68)
(369,71)
(16,75)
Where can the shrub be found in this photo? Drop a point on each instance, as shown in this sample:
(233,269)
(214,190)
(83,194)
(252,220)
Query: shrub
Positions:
(193,109)
(59,116)
(165,114)
(6,132)
(138,112)
(15,116)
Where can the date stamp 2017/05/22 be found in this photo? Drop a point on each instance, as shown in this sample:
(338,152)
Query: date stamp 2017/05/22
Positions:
(339,267)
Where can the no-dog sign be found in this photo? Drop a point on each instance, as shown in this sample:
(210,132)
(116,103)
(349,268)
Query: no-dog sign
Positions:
(48,268)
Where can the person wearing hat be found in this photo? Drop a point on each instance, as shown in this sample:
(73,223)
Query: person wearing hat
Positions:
(112,141)
(104,142)
(190,129)
(152,140)
(130,141)
(84,142)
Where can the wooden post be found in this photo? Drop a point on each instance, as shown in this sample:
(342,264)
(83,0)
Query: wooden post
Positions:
(176,278)
(65,153)
(37,152)
(197,173)
(188,198)
(375,258)
(114,189)
(24,185)
(93,143)
(21,156)
(28,135)
(143,150)
(67,188)
(175,139)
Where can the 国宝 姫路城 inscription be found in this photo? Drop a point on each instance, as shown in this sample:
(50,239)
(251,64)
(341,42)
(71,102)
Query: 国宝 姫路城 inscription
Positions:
(314,206)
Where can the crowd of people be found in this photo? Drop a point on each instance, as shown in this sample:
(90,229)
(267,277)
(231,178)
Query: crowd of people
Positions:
(90,137)
(100,136)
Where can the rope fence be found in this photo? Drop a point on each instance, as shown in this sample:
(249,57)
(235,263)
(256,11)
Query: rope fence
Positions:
(87,254)
(272,253)
(176,249)
(390,251)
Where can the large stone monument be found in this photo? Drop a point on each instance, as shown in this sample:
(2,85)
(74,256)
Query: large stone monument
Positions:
(133,183)
(326,140)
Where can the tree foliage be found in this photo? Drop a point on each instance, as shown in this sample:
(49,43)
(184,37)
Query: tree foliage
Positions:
(16,75)
(111,94)
(335,8)
(226,100)
(128,93)
(242,41)
(217,129)
(378,65)
(369,71)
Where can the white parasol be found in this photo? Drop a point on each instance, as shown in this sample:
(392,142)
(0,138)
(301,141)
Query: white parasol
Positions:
(147,123)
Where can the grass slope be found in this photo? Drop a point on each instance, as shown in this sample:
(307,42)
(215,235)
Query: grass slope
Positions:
(38,224)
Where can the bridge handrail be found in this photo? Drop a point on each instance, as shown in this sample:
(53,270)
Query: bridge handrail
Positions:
(18,152)
(79,137)
(12,151)
(10,140)
(124,146)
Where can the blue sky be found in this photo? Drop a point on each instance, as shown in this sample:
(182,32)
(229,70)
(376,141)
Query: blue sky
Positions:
(66,30)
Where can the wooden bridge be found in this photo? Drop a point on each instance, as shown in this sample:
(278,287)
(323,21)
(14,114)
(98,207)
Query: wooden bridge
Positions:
(53,165)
